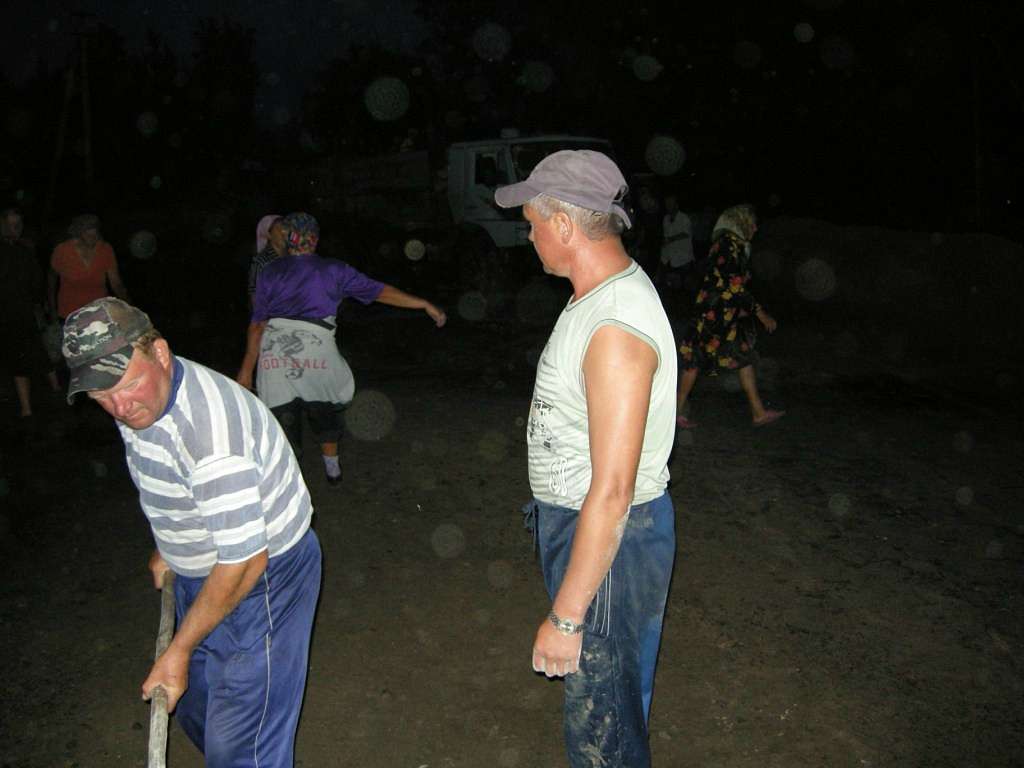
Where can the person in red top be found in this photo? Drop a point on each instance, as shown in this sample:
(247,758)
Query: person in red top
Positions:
(82,266)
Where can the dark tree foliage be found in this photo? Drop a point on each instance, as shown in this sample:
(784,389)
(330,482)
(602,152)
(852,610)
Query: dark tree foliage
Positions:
(221,89)
(335,107)
(161,131)
(895,112)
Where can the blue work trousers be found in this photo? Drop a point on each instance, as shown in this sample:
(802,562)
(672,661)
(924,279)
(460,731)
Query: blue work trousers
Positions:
(246,679)
(608,700)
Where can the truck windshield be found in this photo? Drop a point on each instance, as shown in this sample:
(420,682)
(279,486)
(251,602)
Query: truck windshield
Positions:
(525,156)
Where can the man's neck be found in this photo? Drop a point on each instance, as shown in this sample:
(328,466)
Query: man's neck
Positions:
(595,264)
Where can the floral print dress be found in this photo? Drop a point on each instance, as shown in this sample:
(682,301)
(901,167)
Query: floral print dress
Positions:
(723,334)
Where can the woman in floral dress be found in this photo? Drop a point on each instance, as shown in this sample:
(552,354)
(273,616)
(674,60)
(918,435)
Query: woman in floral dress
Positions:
(723,332)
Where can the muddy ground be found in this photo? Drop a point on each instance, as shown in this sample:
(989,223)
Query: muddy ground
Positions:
(847,592)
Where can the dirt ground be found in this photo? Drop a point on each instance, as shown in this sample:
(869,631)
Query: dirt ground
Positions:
(847,592)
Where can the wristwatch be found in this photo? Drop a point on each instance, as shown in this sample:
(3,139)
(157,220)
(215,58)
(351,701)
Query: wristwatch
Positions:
(565,626)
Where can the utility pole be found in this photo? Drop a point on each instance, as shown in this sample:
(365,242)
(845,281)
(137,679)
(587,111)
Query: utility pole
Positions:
(975,109)
(58,150)
(78,69)
(90,185)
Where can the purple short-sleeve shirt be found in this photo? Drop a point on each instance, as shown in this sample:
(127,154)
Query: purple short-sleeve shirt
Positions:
(309,286)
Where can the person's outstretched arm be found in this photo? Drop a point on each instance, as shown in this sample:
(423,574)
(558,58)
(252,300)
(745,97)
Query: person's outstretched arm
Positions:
(397,298)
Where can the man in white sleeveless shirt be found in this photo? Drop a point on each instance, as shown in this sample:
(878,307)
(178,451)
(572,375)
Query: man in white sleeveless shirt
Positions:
(599,434)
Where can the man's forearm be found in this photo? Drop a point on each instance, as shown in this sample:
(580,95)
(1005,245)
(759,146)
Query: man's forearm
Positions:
(223,589)
(602,521)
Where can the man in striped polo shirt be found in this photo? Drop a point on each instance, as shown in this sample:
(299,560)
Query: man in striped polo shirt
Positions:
(230,514)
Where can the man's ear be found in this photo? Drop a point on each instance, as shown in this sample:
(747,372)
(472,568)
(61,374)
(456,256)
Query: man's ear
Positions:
(162,352)
(565,227)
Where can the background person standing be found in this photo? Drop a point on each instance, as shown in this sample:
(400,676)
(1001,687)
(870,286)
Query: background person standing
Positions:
(21,293)
(676,245)
(271,243)
(81,268)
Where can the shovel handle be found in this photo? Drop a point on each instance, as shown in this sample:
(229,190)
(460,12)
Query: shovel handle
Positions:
(158,701)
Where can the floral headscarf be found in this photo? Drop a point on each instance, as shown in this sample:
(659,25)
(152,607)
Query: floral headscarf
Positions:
(263,231)
(741,220)
(303,233)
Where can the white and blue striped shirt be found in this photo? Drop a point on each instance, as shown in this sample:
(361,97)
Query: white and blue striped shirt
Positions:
(216,476)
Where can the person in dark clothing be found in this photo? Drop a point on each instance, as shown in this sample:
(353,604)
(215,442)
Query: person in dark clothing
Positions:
(648,236)
(21,294)
(271,243)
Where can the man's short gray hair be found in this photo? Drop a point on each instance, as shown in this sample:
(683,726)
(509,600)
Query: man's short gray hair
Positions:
(594,224)
(145,342)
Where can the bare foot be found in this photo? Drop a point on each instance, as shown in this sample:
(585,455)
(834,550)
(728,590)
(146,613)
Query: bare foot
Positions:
(769,417)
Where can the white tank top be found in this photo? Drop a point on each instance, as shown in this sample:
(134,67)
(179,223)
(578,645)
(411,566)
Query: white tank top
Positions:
(557,435)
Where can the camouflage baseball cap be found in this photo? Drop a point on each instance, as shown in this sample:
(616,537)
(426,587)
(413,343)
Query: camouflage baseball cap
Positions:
(98,343)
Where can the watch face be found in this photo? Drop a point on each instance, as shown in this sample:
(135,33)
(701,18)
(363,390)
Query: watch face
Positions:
(565,626)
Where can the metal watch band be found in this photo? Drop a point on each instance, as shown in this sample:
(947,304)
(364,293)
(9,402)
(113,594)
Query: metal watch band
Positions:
(565,626)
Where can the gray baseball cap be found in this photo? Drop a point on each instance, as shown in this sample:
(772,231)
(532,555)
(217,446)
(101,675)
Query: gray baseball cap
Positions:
(582,177)
(97,343)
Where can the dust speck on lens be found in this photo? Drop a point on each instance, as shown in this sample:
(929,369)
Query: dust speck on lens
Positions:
(472,306)
(370,416)
(964,496)
(448,540)
(500,574)
(839,504)
(963,442)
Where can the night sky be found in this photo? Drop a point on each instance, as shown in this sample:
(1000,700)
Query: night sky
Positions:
(904,114)
(42,27)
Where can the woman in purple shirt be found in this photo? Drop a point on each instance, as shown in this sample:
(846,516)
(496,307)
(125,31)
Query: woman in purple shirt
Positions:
(291,337)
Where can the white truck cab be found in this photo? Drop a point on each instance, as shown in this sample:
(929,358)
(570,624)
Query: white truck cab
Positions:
(476,168)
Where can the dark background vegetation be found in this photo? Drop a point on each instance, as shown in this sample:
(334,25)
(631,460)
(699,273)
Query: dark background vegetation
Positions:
(896,113)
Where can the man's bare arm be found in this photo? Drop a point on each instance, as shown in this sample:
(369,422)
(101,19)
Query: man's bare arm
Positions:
(223,589)
(618,370)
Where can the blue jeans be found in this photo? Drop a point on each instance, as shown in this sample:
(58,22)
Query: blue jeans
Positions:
(246,679)
(607,702)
